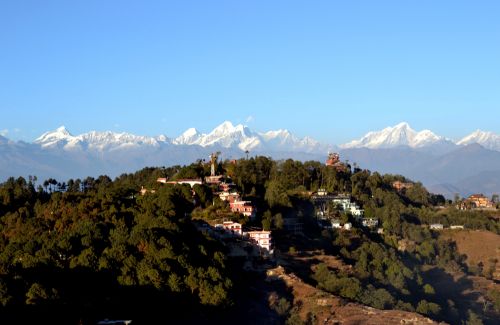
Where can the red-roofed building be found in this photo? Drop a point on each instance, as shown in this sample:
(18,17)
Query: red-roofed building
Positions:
(229,197)
(226,187)
(333,160)
(244,207)
(399,186)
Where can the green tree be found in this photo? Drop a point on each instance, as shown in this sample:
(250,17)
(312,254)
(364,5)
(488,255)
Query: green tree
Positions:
(38,294)
(276,195)
(429,290)
(5,297)
(278,221)
(473,319)
(428,308)
(282,307)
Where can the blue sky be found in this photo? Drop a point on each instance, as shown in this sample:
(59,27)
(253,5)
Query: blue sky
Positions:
(332,70)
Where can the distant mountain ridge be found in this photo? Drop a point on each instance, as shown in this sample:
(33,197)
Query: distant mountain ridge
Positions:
(489,140)
(437,161)
(225,135)
(93,140)
(399,135)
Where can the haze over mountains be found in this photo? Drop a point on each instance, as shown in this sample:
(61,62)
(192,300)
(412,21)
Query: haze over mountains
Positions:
(469,165)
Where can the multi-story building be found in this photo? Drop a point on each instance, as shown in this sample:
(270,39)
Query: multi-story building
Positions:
(348,205)
(231,227)
(480,201)
(229,197)
(261,238)
(244,207)
(322,199)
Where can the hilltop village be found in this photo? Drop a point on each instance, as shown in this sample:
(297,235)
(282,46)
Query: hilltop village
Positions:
(338,210)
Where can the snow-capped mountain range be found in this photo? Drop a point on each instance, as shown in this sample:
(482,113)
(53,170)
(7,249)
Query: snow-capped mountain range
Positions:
(403,135)
(399,135)
(225,135)
(62,138)
(241,137)
(489,140)
(471,164)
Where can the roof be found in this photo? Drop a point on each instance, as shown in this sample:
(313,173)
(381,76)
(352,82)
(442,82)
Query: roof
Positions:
(242,202)
(231,223)
(259,232)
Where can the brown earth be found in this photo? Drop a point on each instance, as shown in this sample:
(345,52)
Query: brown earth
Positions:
(479,246)
(329,309)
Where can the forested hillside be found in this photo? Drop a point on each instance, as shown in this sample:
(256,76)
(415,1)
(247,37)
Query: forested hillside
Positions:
(82,250)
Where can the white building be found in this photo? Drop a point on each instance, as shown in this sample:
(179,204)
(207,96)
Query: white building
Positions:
(347,205)
(262,238)
(436,226)
(231,227)
(191,182)
(336,223)
(322,192)
(343,200)
(355,210)
(370,222)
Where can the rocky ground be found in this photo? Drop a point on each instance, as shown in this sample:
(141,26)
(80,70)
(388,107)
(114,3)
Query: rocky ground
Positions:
(329,309)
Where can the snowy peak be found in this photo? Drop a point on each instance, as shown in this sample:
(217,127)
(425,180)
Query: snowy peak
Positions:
(427,138)
(399,135)
(110,140)
(62,130)
(488,140)
(228,135)
(281,139)
(53,138)
(162,138)
(278,134)
(95,140)
(225,128)
(189,137)
(59,133)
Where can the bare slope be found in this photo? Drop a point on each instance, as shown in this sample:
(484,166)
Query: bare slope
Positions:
(330,309)
(479,246)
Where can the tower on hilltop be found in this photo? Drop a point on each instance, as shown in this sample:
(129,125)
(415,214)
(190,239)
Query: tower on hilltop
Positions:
(213,162)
